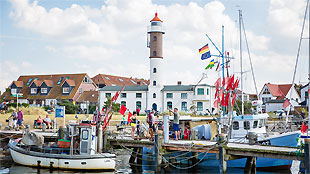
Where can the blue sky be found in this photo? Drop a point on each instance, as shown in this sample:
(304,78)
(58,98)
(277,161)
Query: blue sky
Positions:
(109,37)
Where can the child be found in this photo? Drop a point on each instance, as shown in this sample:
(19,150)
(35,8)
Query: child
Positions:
(123,121)
(138,128)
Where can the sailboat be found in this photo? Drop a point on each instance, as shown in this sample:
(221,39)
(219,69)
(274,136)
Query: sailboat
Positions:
(240,126)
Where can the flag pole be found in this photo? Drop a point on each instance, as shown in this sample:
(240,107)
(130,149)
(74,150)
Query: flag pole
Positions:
(223,66)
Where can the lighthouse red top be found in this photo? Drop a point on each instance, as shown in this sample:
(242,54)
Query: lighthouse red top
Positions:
(156,18)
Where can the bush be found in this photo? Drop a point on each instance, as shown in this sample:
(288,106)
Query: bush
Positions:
(25,105)
(45,107)
(115,106)
(70,107)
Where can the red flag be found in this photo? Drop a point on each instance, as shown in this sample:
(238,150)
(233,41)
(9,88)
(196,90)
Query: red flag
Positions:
(227,80)
(232,81)
(303,128)
(223,99)
(226,99)
(102,109)
(233,100)
(223,83)
(129,115)
(216,103)
(286,103)
(217,83)
(216,93)
(122,110)
(235,84)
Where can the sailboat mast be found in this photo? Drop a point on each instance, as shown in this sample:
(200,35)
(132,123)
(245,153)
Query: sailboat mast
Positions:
(223,65)
(308,69)
(241,73)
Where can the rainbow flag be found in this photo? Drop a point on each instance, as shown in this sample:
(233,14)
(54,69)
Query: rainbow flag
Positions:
(211,64)
(205,51)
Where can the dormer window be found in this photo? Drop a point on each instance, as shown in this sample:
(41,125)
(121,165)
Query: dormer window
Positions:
(43,90)
(65,90)
(33,90)
(14,91)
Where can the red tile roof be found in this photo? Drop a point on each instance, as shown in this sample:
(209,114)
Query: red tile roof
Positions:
(91,96)
(156,18)
(70,82)
(279,91)
(37,82)
(110,80)
(18,83)
(48,83)
(56,80)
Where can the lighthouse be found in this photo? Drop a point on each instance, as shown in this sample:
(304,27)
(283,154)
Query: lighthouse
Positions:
(155,43)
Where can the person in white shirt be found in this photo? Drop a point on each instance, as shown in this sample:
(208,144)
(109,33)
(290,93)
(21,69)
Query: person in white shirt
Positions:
(48,122)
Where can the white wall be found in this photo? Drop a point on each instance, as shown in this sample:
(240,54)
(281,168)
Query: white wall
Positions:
(130,99)
(158,77)
(270,107)
(177,100)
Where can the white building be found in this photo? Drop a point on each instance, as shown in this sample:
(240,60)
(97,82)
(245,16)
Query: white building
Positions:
(156,95)
(274,95)
(304,95)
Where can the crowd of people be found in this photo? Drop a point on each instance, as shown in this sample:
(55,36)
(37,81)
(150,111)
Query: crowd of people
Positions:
(155,124)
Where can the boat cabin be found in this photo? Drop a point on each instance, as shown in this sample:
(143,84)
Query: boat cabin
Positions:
(243,124)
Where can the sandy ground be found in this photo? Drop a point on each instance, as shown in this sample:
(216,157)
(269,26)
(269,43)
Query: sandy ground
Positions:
(29,119)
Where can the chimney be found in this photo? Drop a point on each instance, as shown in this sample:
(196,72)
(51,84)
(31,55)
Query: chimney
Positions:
(179,82)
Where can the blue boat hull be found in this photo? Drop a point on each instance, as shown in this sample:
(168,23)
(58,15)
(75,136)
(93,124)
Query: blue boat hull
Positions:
(289,140)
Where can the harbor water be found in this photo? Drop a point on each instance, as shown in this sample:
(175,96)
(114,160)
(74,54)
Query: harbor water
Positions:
(123,166)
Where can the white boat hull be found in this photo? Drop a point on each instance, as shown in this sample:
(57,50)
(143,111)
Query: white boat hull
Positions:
(103,163)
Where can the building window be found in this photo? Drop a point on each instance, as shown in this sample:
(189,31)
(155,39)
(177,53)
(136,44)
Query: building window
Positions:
(154,83)
(65,90)
(138,95)
(123,103)
(107,95)
(14,91)
(199,106)
(235,125)
(207,91)
(200,91)
(154,95)
(255,124)
(33,90)
(246,125)
(169,105)
(184,106)
(169,95)
(138,104)
(154,38)
(154,53)
(43,90)
(123,95)
(266,91)
(154,70)
(183,95)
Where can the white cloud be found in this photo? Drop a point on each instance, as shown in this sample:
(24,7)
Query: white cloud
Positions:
(26,64)
(286,16)
(113,36)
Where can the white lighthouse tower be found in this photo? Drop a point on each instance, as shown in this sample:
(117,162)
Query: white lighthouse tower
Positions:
(155,43)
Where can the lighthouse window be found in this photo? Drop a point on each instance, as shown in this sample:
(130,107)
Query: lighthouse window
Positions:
(154,38)
(154,83)
(154,70)
(154,95)
(154,53)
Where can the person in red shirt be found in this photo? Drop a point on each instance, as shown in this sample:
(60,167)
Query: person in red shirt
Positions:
(187,132)
(138,111)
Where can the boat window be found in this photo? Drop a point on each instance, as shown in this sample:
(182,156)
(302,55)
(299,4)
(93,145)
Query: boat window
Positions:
(246,125)
(83,163)
(255,124)
(66,162)
(85,134)
(236,125)
(260,124)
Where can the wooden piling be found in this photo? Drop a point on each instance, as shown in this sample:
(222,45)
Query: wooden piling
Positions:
(222,152)
(250,166)
(307,156)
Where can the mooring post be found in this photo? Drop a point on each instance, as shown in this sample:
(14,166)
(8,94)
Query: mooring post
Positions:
(250,166)
(166,129)
(156,150)
(307,156)
(100,139)
(223,163)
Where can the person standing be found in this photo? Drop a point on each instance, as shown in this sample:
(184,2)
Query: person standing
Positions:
(138,111)
(133,124)
(14,119)
(176,119)
(20,118)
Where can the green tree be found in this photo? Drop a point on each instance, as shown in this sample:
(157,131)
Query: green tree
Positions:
(247,107)
(70,107)
(115,106)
